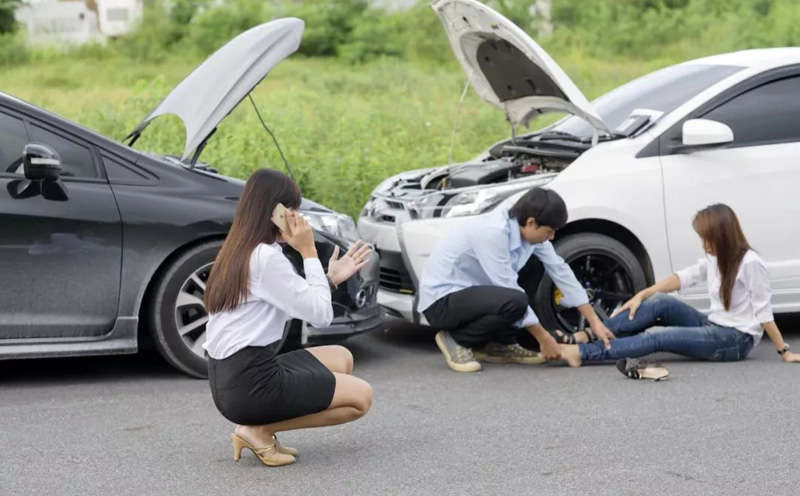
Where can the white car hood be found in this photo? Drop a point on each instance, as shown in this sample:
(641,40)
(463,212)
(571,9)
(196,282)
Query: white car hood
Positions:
(226,77)
(507,68)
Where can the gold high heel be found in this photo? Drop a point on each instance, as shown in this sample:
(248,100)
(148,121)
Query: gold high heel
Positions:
(284,449)
(269,455)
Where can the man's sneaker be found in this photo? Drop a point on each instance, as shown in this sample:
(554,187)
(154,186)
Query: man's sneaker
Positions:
(511,353)
(457,357)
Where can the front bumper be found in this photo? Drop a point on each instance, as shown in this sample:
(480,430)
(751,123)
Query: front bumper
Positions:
(351,324)
(398,306)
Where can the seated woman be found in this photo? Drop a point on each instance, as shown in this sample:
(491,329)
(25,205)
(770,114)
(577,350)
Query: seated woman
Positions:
(738,286)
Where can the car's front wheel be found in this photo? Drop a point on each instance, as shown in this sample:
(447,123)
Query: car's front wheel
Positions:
(176,314)
(609,271)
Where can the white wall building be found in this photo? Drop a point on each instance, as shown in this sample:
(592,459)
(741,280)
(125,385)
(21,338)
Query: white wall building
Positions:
(75,22)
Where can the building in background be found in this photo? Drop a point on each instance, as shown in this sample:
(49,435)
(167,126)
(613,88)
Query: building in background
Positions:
(75,22)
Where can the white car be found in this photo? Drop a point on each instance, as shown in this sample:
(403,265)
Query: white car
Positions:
(634,166)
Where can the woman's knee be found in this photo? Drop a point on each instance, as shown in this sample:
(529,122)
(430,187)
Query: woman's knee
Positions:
(353,393)
(345,358)
(364,398)
(335,357)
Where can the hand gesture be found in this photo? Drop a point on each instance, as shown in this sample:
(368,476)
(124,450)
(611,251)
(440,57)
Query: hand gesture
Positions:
(342,269)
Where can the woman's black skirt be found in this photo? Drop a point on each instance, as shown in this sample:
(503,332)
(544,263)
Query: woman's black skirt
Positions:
(256,386)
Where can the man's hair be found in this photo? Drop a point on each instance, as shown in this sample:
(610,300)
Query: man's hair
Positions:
(544,205)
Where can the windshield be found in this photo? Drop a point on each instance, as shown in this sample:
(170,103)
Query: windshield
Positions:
(663,90)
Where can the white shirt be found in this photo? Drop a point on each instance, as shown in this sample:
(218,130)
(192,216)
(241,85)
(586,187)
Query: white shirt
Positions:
(275,294)
(750,298)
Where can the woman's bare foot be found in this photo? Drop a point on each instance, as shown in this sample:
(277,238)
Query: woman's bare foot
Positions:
(571,354)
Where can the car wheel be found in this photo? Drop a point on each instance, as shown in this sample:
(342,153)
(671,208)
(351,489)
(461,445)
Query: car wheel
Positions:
(177,315)
(608,270)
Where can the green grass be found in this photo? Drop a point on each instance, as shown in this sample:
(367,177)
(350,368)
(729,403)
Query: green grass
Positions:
(344,128)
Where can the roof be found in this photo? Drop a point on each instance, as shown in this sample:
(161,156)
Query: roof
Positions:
(760,58)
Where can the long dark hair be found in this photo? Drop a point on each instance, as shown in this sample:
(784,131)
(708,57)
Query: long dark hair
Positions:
(227,285)
(719,228)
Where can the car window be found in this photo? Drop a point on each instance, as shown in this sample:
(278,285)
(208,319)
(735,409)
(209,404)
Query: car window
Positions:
(767,114)
(13,139)
(116,172)
(76,160)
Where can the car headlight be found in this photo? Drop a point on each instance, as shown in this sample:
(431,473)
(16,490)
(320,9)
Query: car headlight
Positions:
(472,201)
(339,225)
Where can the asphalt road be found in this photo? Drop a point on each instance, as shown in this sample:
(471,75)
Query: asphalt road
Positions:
(132,426)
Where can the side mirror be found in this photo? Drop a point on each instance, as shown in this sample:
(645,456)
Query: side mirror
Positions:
(40,162)
(42,167)
(704,133)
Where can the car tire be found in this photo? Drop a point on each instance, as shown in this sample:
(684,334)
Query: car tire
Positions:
(163,315)
(163,312)
(626,277)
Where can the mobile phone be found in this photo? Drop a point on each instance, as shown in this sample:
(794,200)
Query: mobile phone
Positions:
(279,217)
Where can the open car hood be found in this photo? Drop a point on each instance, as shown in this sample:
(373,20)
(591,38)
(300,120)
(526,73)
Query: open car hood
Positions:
(226,77)
(507,68)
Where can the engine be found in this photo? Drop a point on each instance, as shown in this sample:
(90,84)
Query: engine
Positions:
(500,170)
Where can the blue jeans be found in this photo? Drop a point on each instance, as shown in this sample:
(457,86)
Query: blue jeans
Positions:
(671,326)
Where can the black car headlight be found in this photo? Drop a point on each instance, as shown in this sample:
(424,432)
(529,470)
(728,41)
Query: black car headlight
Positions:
(339,225)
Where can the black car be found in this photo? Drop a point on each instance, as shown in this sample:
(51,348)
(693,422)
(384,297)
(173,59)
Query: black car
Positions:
(102,246)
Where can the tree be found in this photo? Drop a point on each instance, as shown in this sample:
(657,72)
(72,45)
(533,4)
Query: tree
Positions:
(8,24)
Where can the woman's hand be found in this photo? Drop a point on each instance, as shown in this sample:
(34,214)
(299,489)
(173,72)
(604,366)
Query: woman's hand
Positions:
(790,357)
(300,236)
(342,269)
(633,305)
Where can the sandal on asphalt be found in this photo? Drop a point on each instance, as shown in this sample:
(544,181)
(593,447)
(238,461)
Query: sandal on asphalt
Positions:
(635,369)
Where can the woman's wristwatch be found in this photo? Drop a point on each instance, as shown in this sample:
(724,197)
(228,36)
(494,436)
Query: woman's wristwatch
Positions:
(784,350)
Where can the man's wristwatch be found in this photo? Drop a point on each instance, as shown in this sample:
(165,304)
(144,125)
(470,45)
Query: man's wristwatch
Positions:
(784,350)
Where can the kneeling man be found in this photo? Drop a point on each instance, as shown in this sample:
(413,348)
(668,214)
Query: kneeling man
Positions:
(469,284)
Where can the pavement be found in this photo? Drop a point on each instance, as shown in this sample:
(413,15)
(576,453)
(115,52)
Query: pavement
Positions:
(130,425)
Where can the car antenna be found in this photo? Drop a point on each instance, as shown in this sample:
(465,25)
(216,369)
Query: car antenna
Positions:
(273,137)
(458,113)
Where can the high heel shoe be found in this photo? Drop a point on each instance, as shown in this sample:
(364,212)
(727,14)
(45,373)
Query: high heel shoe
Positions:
(269,454)
(284,449)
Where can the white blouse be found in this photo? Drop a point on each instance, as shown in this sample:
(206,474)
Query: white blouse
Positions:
(750,299)
(275,294)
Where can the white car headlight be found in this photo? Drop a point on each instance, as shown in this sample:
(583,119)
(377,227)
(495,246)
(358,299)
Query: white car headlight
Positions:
(339,225)
(472,201)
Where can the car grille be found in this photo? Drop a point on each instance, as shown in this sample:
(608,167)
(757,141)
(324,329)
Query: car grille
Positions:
(394,276)
(384,210)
